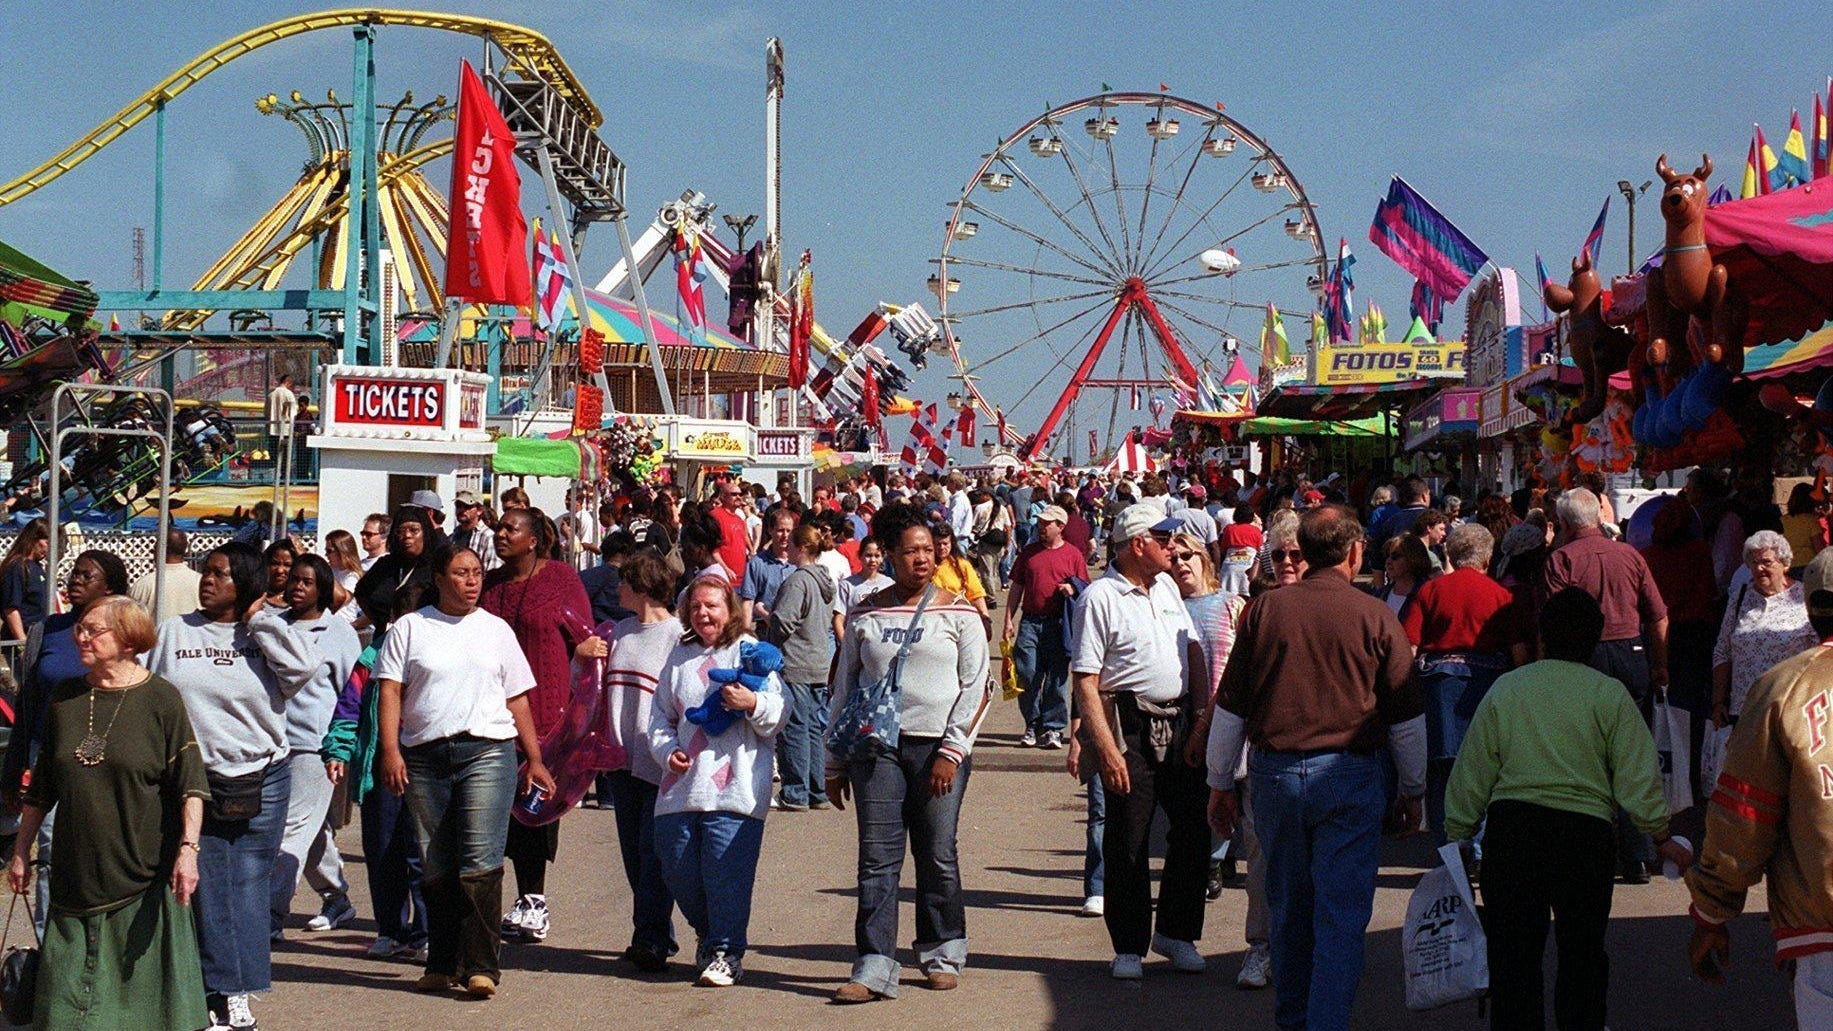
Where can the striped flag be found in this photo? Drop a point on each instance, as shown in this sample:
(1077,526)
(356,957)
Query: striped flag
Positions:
(1752,184)
(1820,153)
(1274,347)
(1540,270)
(1792,163)
(964,425)
(1134,404)
(1158,409)
(1408,229)
(553,280)
(1595,239)
(1770,177)
(999,423)
(1427,307)
(1340,295)
(690,272)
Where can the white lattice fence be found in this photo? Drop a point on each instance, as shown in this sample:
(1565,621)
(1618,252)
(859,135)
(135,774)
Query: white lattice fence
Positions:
(136,548)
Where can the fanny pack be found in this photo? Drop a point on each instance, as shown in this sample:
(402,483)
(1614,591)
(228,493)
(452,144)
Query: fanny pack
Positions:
(235,798)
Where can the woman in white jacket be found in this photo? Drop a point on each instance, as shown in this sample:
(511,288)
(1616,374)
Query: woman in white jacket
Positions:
(715,790)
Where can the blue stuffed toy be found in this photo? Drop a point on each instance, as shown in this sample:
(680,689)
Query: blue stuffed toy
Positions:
(756,662)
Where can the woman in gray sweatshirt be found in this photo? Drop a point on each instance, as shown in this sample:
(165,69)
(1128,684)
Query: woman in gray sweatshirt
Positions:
(219,659)
(801,625)
(914,792)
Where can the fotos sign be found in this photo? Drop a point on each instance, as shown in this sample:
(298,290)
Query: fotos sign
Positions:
(1367,364)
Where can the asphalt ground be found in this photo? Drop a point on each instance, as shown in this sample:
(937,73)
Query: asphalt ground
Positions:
(1034,963)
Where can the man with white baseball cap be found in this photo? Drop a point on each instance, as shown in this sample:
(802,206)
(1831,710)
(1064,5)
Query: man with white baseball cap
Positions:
(1138,668)
(1034,623)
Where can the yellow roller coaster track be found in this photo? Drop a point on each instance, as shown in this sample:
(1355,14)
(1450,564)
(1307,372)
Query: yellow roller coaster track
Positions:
(530,55)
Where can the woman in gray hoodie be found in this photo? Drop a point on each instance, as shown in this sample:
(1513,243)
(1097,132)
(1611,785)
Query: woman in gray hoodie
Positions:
(801,624)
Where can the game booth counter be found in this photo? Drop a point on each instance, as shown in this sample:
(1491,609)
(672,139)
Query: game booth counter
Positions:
(388,432)
(701,449)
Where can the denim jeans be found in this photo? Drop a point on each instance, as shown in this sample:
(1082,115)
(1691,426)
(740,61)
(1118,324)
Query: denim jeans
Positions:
(460,790)
(391,857)
(1043,664)
(893,807)
(235,869)
(801,755)
(651,906)
(1318,817)
(1094,869)
(303,842)
(709,861)
(41,888)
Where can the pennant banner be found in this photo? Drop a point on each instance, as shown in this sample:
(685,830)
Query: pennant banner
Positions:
(487,250)
(801,322)
(1411,231)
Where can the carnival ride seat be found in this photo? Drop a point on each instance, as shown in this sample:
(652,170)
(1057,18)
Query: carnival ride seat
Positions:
(105,477)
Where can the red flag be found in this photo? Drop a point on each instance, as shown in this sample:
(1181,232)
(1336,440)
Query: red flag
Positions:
(1135,403)
(801,323)
(964,424)
(868,395)
(487,250)
(999,418)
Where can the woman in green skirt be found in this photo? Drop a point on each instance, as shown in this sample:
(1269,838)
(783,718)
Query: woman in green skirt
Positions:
(120,762)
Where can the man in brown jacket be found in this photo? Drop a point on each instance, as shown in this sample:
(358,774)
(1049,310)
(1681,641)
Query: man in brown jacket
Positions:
(1771,817)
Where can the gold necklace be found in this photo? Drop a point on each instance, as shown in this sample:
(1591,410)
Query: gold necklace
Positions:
(93,749)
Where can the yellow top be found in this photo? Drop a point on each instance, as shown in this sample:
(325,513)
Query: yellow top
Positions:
(957,574)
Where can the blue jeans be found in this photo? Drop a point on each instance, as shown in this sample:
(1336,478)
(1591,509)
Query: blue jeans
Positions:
(460,790)
(1043,664)
(1318,817)
(392,858)
(651,906)
(1094,869)
(235,869)
(801,756)
(893,808)
(709,861)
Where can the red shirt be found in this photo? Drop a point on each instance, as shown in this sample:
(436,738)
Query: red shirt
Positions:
(735,550)
(1464,610)
(1613,573)
(550,614)
(1242,535)
(1077,534)
(1683,573)
(1042,570)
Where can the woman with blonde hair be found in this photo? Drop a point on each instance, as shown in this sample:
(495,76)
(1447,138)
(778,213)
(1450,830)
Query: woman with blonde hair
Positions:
(715,790)
(121,765)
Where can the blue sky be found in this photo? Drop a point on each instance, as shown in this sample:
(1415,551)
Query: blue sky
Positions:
(1516,120)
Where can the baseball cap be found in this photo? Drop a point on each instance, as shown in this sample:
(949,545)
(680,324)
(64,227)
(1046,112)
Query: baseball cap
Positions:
(467,498)
(1817,577)
(1139,520)
(1196,490)
(1053,514)
(428,500)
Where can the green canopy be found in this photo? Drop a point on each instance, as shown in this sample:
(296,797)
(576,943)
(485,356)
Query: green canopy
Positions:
(520,456)
(1274,426)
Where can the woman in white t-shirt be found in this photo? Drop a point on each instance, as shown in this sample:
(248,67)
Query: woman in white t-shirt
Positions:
(453,710)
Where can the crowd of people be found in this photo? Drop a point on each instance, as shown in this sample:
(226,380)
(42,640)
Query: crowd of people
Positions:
(1285,669)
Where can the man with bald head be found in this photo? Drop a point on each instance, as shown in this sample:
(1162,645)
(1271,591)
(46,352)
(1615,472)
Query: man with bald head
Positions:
(1319,680)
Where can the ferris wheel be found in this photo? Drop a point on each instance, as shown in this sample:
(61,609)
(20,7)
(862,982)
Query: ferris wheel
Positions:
(1109,250)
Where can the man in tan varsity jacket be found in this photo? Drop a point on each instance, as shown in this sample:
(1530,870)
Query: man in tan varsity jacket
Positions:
(1772,816)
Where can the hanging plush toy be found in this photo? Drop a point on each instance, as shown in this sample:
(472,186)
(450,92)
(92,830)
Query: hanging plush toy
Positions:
(758,664)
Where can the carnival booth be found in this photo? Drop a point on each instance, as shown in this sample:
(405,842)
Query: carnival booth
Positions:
(785,457)
(700,449)
(389,432)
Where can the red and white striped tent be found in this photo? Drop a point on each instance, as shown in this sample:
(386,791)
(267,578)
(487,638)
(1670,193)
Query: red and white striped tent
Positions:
(1131,458)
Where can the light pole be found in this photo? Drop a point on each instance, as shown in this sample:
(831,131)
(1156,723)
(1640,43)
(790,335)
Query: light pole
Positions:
(1630,193)
(740,224)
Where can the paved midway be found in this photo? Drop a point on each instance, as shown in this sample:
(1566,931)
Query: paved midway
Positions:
(1034,964)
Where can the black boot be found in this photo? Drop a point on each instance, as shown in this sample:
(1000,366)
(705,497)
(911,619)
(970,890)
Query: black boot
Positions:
(1213,889)
(479,943)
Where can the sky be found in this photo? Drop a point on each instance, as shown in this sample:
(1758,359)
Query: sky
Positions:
(1515,120)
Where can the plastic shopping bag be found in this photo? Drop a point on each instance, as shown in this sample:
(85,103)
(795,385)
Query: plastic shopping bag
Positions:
(1010,685)
(1447,957)
(1673,750)
(1712,757)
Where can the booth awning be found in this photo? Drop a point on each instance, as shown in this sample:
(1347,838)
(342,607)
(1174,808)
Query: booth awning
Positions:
(1340,402)
(1276,426)
(521,456)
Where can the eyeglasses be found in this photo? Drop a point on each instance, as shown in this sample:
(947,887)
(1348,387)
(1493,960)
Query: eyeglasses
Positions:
(1183,556)
(372,533)
(85,632)
(1287,555)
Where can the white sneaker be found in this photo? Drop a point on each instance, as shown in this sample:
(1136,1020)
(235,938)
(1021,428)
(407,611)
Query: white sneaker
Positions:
(512,920)
(1256,968)
(722,972)
(383,947)
(333,916)
(1094,905)
(241,1017)
(415,954)
(1183,955)
(1051,740)
(1128,967)
(1029,740)
(535,922)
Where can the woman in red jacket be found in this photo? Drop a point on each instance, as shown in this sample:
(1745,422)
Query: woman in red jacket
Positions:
(546,605)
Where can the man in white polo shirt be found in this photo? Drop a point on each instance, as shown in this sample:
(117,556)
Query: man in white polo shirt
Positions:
(1137,668)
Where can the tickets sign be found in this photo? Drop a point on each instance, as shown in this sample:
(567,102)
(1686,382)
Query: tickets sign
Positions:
(1388,363)
(390,402)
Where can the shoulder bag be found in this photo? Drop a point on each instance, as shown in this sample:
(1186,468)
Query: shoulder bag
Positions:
(18,970)
(868,722)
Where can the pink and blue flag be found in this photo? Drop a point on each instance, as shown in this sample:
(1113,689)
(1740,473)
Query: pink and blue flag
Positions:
(1540,269)
(1411,231)
(1596,237)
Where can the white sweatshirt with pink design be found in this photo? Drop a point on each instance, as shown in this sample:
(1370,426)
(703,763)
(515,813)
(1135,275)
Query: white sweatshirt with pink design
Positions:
(730,771)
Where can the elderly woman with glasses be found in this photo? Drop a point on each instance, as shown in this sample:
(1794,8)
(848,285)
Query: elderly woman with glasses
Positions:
(1766,622)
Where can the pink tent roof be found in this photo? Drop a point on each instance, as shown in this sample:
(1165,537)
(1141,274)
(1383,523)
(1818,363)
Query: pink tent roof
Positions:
(1778,249)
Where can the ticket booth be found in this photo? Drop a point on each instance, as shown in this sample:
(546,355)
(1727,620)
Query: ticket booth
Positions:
(784,458)
(389,432)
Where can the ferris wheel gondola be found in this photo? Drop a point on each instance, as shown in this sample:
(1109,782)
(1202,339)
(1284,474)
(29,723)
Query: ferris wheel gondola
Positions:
(1090,266)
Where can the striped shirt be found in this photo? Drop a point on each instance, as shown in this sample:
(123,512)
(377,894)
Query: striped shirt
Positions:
(638,652)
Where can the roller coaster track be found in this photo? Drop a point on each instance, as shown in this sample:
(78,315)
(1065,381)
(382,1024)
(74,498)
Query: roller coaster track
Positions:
(529,55)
